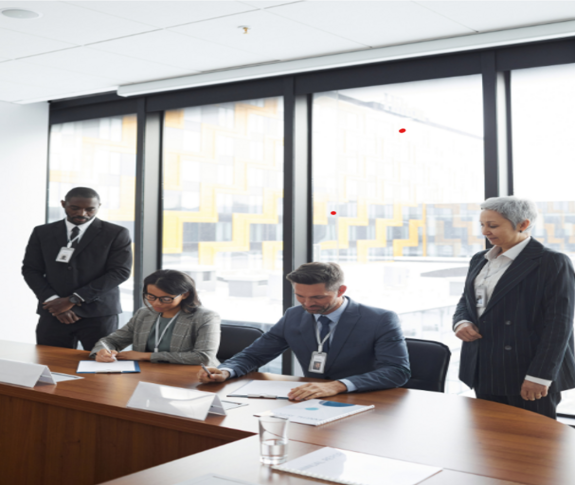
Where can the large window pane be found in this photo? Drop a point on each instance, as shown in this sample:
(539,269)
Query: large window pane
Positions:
(406,203)
(100,154)
(543,103)
(223,206)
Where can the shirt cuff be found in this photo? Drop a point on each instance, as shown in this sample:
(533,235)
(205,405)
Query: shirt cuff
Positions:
(79,296)
(538,380)
(347,383)
(461,322)
(53,297)
(231,371)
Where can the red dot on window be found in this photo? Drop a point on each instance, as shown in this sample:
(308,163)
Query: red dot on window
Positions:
(402,130)
(333,213)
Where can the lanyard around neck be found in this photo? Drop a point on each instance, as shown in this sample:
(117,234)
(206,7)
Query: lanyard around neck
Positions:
(321,342)
(164,331)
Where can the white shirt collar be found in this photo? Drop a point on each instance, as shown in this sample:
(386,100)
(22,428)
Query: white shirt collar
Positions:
(512,253)
(82,227)
(336,315)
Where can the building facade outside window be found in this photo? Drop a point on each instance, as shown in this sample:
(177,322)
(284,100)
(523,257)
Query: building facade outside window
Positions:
(397,181)
(223,207)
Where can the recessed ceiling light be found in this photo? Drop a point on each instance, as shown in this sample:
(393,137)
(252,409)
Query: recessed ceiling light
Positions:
(19,13)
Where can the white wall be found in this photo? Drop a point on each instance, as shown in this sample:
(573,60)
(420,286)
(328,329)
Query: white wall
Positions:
(23,166)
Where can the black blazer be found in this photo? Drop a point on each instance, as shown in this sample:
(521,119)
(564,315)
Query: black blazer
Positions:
(527,327)
(101,262)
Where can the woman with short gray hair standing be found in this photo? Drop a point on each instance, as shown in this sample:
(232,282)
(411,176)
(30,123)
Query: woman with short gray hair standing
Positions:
(515,316)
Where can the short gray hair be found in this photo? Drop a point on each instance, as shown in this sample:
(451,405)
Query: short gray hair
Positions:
(514,209)
(330,274)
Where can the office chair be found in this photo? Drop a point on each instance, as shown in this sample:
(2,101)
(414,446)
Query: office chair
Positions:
(429,361)
(236,338)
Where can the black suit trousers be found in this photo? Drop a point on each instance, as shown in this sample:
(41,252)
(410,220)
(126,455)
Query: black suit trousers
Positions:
(50,331)
(547,406)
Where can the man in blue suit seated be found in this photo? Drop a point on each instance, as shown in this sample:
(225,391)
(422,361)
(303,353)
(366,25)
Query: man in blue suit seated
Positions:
(352,346)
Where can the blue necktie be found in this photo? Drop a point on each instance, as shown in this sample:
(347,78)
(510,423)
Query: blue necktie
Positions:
(325,321)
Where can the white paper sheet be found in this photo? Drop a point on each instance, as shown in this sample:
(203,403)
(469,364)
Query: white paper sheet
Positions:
(214,480)
(319,411)
(91,366)
(353,468)
(266,389)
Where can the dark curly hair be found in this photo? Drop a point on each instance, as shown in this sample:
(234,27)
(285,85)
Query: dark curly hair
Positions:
(174,283)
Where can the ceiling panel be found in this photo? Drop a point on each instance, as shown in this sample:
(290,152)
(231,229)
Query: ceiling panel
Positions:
(12,92)
(41,76)
(486,16)
(117,68)
(270,4)
(165,14)
(375,24)
(70,23)
(15,44)
(269,35)
(180,50)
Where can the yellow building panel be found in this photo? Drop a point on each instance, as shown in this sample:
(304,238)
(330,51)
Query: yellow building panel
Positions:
(380,240)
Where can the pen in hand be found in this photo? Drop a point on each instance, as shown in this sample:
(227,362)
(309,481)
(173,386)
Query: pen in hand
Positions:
(106,347)
(206,370)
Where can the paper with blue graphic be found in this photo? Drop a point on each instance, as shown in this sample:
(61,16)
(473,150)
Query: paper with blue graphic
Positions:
(317,411)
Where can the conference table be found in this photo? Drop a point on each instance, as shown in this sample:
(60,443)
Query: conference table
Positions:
(81,432)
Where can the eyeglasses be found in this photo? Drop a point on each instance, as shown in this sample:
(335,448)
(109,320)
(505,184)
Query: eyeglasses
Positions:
(163,299)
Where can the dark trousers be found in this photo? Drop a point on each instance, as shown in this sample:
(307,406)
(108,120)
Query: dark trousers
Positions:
(50,331)
(547,406)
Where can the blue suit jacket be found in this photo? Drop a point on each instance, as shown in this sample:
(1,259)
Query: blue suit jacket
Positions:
(368,347)
(527,327)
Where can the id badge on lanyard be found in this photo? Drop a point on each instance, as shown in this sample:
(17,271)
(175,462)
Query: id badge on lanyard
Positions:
(319,358)
(480,296)
(65,254)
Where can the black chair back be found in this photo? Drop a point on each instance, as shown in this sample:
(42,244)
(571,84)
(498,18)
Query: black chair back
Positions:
(429,361)
(236,338)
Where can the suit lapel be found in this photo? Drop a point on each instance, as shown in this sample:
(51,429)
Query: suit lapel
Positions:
(141,336)
(87,237)
(60,235)
(307,331)
(343,329)
(470,286)
(182,326)
(524,264)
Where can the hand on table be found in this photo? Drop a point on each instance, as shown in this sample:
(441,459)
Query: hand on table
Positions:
(68,317)
(57,306)
(531,390)
(315,390)
(467,332)
(133,355)
(104,355)
(217,375)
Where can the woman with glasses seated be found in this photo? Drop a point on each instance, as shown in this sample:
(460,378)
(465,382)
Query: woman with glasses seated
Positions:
(171,327)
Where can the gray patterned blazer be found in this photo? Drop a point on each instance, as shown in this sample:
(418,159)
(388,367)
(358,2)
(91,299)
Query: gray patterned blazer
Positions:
(195,340)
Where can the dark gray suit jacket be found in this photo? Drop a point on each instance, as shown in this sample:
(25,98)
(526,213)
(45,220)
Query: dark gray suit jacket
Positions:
(368,347)
(527,327)
(100,263)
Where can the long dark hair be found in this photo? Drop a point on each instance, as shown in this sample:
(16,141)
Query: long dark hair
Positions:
(174,283)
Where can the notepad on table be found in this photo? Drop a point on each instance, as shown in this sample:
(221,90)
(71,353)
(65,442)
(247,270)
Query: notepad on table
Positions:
(318,411)
(119,366)
(353,468)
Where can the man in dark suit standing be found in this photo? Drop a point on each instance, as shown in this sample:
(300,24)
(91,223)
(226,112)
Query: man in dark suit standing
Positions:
(74,268)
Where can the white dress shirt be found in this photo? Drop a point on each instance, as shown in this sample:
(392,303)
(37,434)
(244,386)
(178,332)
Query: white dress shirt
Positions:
(488,278)
(69,228)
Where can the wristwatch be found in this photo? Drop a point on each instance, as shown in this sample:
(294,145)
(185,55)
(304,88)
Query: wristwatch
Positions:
(75,300)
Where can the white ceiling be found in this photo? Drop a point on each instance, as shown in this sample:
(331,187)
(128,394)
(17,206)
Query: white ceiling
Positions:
(82,47)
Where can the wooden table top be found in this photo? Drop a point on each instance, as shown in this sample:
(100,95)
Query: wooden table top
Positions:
(453,432)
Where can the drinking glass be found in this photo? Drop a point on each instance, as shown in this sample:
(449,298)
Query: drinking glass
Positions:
(273,440)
